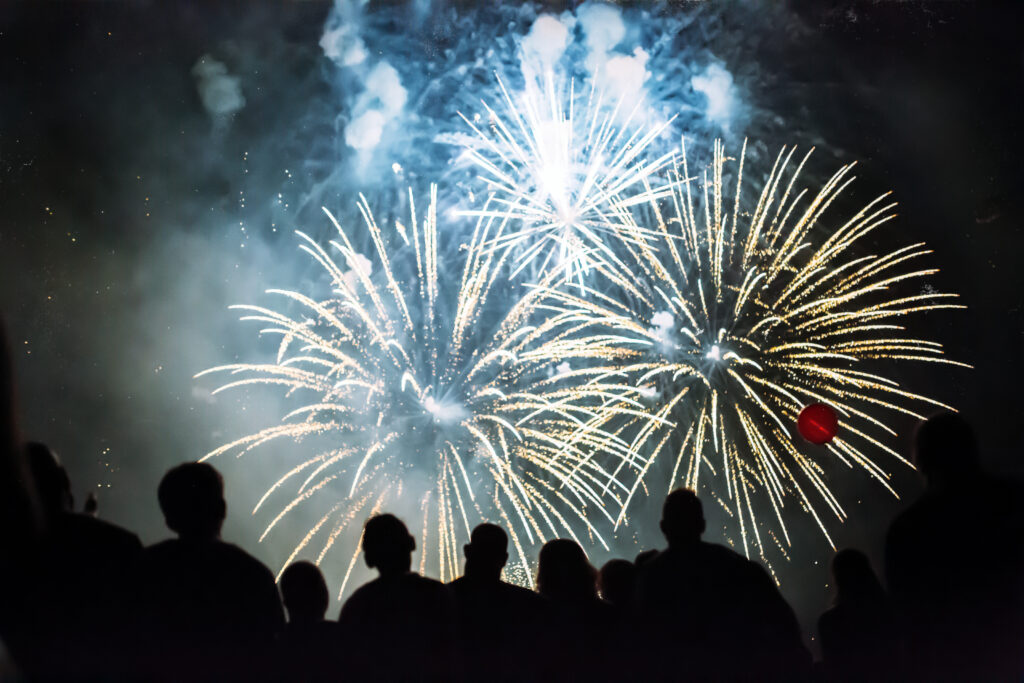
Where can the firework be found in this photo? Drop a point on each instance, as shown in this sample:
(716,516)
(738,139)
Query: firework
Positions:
(412,386)
(566,167)
(733,319)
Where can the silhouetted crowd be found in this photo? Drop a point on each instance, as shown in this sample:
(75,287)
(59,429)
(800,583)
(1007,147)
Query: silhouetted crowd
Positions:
(82,599)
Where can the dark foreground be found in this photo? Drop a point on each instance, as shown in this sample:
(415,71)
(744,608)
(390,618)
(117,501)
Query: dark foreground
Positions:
(81,599)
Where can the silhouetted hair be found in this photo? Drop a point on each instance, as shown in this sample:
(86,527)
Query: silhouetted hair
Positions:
(387,543)
(487,551)
(617,581)
(682,517)
(192,499)
(489,539)
(855,579)
(51,479)
(304,591)
(563,571)
(944,444)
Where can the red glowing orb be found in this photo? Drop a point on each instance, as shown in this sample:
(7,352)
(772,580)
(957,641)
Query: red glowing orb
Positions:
(818,423)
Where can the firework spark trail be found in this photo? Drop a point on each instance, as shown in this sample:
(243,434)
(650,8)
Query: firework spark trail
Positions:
(402,375)
(733,320)
(565,166)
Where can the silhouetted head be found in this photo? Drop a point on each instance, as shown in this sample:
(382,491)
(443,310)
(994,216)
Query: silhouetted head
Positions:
(617,582)
(304,592)
(945,449)
(388,545)
(644,557)
(192,500)
(51,479)
(564,573)
(855,579)
(682,518)
(486,552)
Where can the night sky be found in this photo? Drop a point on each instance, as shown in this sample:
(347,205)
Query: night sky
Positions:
(132,213)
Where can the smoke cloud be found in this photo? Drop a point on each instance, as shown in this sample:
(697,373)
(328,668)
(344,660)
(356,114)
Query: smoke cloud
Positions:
(603,29)
(716,84)
(341,42)
(219,91)
(545,44)
(380,102)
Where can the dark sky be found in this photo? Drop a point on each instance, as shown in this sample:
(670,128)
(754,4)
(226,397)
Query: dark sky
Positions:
(127,214)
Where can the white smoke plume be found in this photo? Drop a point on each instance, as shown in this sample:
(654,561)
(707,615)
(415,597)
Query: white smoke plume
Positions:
(340,41)
(382,97)
(603,29)
(621,70)
(545,44)
(219,91)
(716,84)
(380,102)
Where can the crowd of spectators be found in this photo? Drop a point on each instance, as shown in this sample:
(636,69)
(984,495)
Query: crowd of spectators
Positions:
(82,599)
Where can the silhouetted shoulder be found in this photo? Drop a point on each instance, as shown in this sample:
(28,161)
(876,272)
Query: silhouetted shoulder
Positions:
(97,531)
(915,514)
(495,603)
(520,593)
(710,558)
(757,573)
(205,606)
(236,555)
(902,529)
(399,627)
(212,577)
(830,626)
(367,600)
(406,581)
(359,603)
(1007,497)
(310,652)
(727,557)
(465,585)
(152,554)
(425,582)
(223,556)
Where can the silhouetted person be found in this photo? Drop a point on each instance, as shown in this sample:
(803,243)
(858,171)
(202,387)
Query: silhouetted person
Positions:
(81,592)
(208,609)
(714,614)
(310,646)
(304,594)
(91,506)
(954,562)
(19,507)
(583,629)
(399,626)
(19,515)
(497,622)
(640,631)
(617,584)
(859,640)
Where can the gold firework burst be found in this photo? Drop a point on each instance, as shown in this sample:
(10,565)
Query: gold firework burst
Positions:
(734,319)
(411,386)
